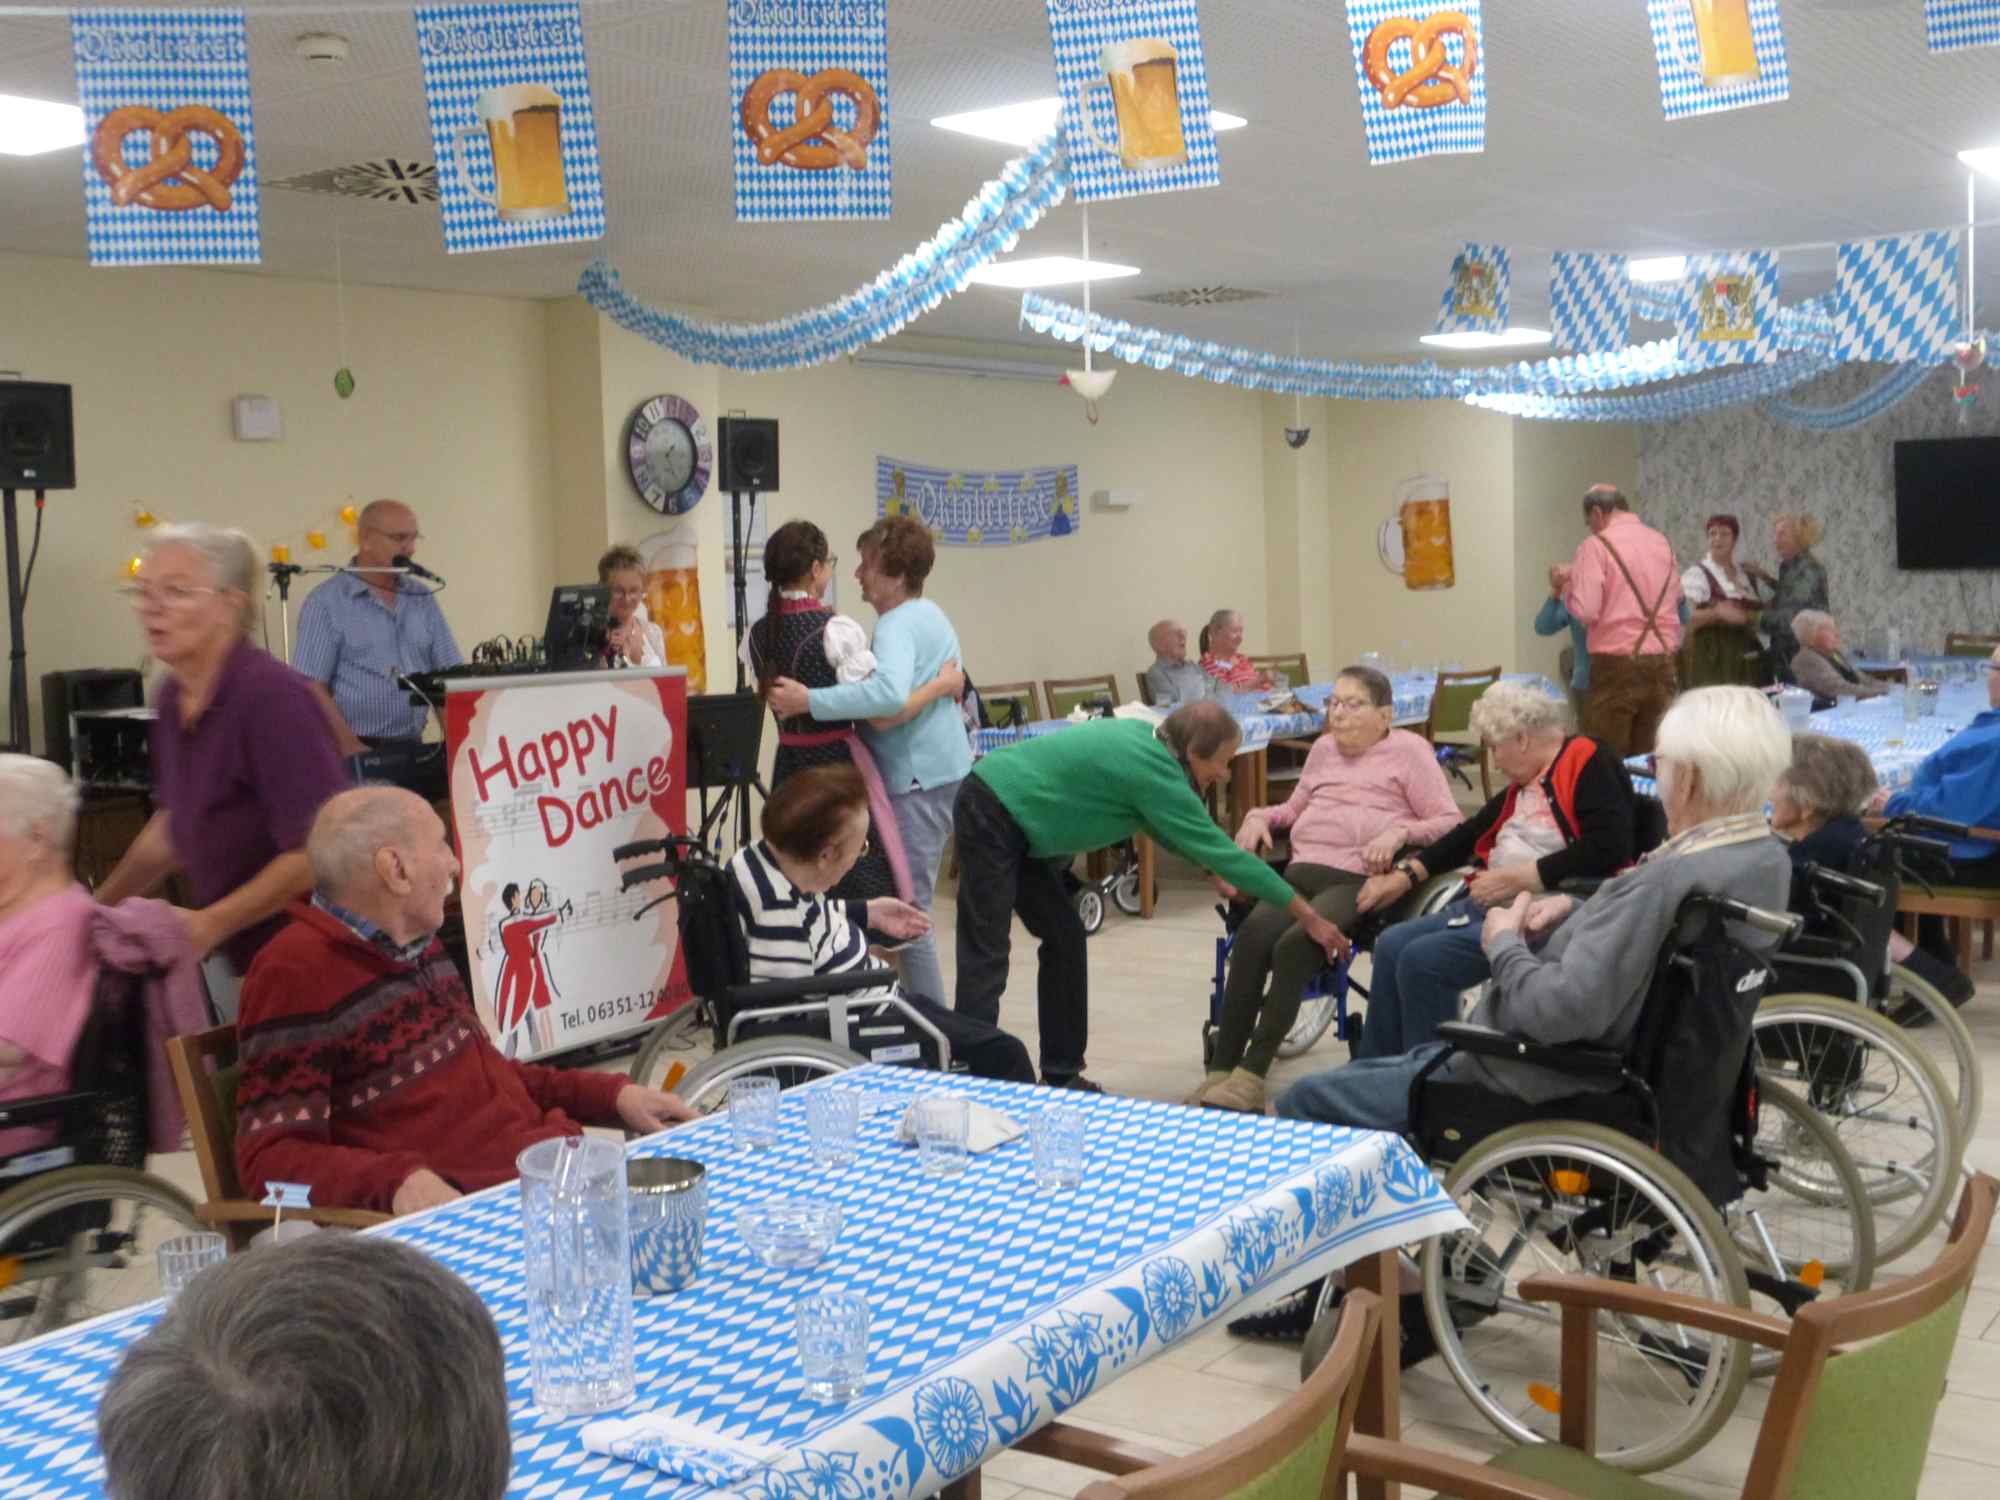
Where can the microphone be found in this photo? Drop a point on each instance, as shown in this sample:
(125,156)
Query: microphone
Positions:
(404,560)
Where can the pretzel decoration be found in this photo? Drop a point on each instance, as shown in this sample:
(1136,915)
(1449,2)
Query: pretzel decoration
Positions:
(794,145)
(1432,78)
(170,182)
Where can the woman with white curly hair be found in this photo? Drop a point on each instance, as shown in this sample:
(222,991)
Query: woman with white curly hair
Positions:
(1567,811)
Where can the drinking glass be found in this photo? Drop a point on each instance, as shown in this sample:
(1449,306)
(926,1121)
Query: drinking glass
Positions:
(833,1343)
(1056,1138)
(753,1113)
(577,1259)
(942,1124)
(833,1116)
(667,1205)
(181,1260)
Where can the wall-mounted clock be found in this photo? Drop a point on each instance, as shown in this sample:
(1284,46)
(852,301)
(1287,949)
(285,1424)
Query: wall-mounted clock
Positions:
(668,454)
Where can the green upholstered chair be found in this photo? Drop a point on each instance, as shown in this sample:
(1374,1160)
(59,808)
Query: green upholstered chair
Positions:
(1010,705)
(1856,1427)
(1450,721)
(1066,693)
(1969,643)
(1291,1453)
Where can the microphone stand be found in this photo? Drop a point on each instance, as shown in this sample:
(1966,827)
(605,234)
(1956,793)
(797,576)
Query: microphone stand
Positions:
(282,575)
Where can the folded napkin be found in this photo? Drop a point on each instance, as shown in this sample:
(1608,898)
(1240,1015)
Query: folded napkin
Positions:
(984,1128)
(677,1448)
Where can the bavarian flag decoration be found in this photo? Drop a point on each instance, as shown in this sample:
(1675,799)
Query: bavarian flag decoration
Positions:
(1729,308)
(1475,300)
(1718,54)
(1951,25)
(1590,301)
(1896,299)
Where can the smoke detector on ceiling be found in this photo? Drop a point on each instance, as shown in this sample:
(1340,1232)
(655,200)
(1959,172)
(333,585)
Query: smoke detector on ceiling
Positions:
(1203,296)
(322,47)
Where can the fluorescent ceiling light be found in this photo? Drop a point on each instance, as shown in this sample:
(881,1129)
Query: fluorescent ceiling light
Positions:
(1506,338)
(919,363)
(1659,268)
(28,127)
(1048,270)
(1985,159)
(1027,122)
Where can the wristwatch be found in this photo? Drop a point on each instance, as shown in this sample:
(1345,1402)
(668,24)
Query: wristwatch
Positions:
(1406,868)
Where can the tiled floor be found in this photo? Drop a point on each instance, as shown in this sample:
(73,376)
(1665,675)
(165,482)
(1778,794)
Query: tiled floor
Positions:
(1149,993)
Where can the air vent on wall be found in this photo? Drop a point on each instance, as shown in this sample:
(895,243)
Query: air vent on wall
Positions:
(1203,296)
(384,181)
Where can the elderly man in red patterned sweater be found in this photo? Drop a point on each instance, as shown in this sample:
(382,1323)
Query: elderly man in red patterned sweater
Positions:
(366,1073)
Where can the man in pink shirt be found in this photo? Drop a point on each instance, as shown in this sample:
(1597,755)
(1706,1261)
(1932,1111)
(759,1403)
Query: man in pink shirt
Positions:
(1625,587)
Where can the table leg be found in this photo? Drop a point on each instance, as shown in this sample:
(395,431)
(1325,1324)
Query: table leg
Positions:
(965,1487)
(1242,792)
(1380,1412)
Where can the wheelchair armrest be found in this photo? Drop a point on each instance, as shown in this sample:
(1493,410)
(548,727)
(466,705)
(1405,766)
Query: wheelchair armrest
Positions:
(812,987)
(1808,948)
(1568,1057)
(44,1107)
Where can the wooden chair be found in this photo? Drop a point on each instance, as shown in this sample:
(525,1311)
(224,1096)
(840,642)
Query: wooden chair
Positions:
(1970,643)
(1065,693)
(1288,670)
(1853,1428)
(1960,906)
(205,1072)
(1450,720)
(1010,705)
(1291,1453)
(1145,689)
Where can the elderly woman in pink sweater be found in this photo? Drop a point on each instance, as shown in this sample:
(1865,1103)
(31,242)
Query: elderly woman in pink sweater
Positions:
(1368,792)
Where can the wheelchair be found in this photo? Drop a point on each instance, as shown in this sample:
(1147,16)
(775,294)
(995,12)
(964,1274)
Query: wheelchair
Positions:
(81,1220)
(1120,885)
(1903,1102)
(1670,1163)
(793,1030)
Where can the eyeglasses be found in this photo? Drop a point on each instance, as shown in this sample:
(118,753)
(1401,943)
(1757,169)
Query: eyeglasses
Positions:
(1350,705)
(169,595)
(405,539)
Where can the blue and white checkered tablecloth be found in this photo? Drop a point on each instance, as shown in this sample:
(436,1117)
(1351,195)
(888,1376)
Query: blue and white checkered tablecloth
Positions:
(995,1304)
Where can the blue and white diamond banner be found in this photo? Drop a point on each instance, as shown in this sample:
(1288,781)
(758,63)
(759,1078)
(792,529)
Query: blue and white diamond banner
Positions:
(1729,309)
(979,508)
(1896,299)
(1134,89)
(1718,54)
(1475,299)
(1422,74)
(809,108)
(1590,300)
(512,124)
(1951,25)
(170,157)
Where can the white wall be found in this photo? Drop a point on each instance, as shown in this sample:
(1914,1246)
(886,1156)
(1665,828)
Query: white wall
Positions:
(450,414)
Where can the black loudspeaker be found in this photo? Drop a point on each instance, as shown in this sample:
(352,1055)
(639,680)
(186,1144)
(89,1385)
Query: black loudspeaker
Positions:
(746,456)
(38,438)
(66,693)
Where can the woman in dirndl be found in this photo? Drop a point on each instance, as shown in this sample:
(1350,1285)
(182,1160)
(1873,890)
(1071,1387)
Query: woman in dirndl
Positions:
(1723,647)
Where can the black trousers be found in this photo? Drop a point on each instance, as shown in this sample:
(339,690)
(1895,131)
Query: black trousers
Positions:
(998,877)
(986,1050)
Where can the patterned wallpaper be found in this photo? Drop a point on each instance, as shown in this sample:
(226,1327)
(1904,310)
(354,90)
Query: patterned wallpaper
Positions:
(1739,460)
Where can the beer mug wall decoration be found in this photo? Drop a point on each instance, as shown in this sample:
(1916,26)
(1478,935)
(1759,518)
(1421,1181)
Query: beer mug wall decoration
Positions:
(1416,540)
(1144,79)
(523,127)
(1728,51)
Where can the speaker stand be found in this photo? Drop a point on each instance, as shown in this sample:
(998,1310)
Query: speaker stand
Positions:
(17,661)
(739,540)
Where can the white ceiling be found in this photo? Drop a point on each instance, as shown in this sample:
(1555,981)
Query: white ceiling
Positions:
(1577,156)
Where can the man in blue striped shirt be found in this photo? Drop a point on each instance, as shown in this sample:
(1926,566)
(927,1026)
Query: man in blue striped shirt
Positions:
(358,630)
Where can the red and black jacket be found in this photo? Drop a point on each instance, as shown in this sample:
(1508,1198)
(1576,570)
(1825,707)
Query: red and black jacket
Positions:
(1594,806)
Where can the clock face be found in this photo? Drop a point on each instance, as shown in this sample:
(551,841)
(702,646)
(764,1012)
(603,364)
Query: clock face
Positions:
(667,454)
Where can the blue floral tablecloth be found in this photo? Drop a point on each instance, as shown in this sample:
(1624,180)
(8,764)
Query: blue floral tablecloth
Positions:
(995,1304)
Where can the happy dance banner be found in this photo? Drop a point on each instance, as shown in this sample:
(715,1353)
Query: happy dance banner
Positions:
(970,508)
(1952,25)
(1421,70)
(809,108)
(1134,92)
(1718,54)
(512,125)
(170,158)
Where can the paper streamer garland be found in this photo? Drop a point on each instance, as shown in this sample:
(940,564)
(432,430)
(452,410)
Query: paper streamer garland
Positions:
(178,81)
(788,61)
(965,508)
(1733,55)
(1421,70)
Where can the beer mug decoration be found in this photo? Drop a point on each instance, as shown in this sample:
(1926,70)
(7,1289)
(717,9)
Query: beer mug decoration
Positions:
(1144,81)
(1416,540)
(673,599)
(522,123)
(1727,51)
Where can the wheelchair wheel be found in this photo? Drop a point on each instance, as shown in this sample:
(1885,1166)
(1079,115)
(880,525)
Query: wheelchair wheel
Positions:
(1125,891)
(1090,910)
(1566,1196)
(1316,1013)
(80,1242)
(1882,1096)
(1810,1224)
(665,1045)
(789,1059)
(1944,1038)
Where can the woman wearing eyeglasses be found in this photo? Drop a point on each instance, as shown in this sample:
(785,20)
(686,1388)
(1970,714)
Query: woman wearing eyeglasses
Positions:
(635,641)
(243,755)
(1368,791)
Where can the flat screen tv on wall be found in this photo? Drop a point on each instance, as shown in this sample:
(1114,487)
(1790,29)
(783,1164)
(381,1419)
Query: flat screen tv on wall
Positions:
(1948,503)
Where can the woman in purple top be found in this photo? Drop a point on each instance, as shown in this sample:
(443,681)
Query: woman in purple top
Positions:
(242,752)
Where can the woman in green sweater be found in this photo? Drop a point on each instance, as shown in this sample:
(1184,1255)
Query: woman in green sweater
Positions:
(1026,810)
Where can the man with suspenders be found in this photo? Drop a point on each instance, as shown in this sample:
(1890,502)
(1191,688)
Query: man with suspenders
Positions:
(1625,587)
